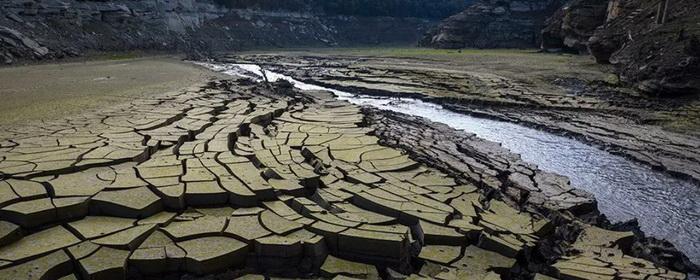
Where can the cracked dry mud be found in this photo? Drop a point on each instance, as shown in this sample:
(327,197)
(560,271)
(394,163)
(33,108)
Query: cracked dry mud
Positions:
(575,103)
(234,178)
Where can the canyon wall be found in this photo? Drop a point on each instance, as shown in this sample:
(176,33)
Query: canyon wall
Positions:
(493,24)
(654,45)
(48,29)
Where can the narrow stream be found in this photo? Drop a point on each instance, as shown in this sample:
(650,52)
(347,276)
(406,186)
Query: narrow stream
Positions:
(666,207)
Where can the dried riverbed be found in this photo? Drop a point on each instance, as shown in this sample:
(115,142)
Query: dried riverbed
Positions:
(625,190)
(236,177)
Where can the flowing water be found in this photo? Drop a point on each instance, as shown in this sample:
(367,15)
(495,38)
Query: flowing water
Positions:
(666,207)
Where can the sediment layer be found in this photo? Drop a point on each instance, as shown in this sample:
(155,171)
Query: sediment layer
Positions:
(236,177)
(612,118)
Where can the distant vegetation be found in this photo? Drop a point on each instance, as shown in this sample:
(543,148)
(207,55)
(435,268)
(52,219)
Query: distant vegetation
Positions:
(395,8)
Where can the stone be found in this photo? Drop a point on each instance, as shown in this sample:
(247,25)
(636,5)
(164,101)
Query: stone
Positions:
(594,236)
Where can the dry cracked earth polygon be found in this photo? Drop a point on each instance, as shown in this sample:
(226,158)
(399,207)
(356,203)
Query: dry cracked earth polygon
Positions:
(230,176)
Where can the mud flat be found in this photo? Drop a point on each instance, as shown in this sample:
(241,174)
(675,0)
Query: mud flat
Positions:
(234,177)
(37,92)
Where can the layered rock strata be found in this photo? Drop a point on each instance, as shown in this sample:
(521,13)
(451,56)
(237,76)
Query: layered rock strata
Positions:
(654,45)
(571,26)
(40,30)
(493,24)
(240,177)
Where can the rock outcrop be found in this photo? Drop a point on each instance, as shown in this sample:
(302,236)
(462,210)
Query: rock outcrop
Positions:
(571,26)
(493,24)
(55,29)
(653,45)
(48,29)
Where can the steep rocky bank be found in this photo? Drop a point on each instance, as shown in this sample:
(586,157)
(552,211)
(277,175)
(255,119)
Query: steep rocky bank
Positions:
(54,29)
(493,24)
(571,26)
(657,50)
(39,30)
(654,47)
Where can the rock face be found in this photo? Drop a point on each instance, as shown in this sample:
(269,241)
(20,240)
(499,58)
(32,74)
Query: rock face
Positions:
(37,30)
(54,29)
(571,26)
(657,51)
(493,24)
(246,29)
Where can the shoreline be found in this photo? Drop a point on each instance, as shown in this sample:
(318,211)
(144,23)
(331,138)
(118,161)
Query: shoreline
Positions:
(659,154)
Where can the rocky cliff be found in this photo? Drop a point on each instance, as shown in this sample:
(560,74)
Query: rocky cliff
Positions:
(53,29)
(493,24)
(47,29)
(653,44)
(571,26)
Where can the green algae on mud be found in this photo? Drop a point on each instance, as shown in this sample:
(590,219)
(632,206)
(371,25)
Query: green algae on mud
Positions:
(51,91)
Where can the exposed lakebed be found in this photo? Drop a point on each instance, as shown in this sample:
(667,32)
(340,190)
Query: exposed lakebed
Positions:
(666,207)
